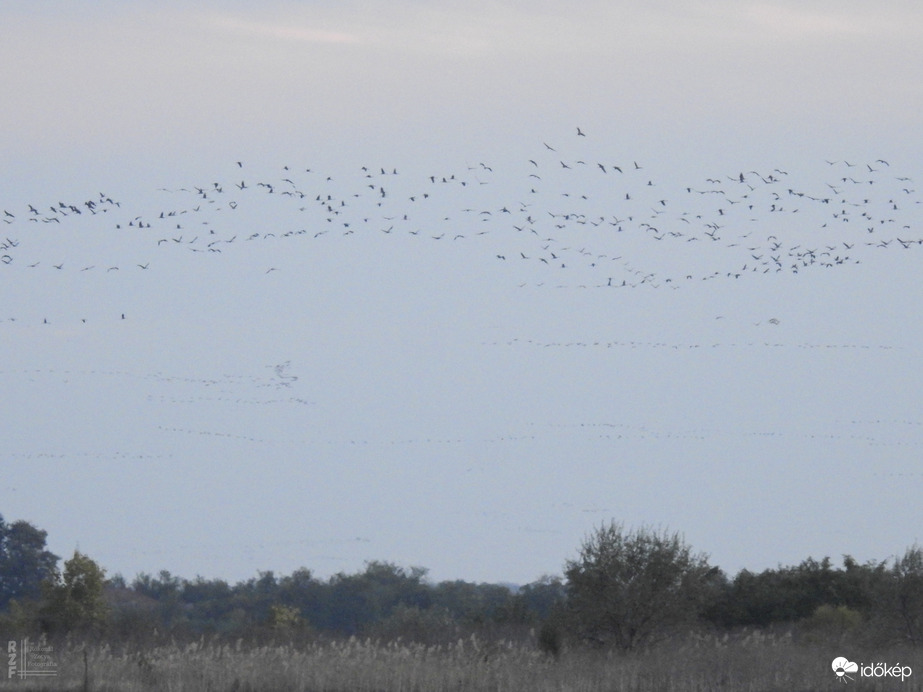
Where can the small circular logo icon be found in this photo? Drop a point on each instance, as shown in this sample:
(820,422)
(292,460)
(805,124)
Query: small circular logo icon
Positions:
(841,666)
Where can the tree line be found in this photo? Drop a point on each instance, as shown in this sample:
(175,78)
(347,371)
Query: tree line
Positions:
(626,589)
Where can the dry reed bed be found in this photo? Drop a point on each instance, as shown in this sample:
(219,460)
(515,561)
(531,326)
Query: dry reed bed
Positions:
(755,663)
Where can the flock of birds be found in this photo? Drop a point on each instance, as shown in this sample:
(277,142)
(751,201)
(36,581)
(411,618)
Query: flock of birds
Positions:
(575,218)
(569,219)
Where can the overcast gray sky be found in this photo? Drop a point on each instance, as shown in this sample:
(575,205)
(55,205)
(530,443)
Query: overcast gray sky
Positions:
(449,284)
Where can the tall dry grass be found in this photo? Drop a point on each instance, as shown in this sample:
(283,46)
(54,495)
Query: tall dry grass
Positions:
(755,662)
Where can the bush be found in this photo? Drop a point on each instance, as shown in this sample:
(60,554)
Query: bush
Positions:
(630,589)
(831,624)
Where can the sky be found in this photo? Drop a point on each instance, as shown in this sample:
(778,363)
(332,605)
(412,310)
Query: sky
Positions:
(449,285)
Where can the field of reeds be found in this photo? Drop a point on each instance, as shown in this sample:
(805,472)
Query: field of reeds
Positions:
(754,662)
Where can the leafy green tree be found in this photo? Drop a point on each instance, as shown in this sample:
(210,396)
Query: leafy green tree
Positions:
(167,591)
(907,594)
(861,583)
(205,605)
(354,601)
(474,604)
(257,595)
(300,590)
(631,588)
(543,596)
(24,562)
(132,617)
(73,599)
(163,586)
(791,594)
